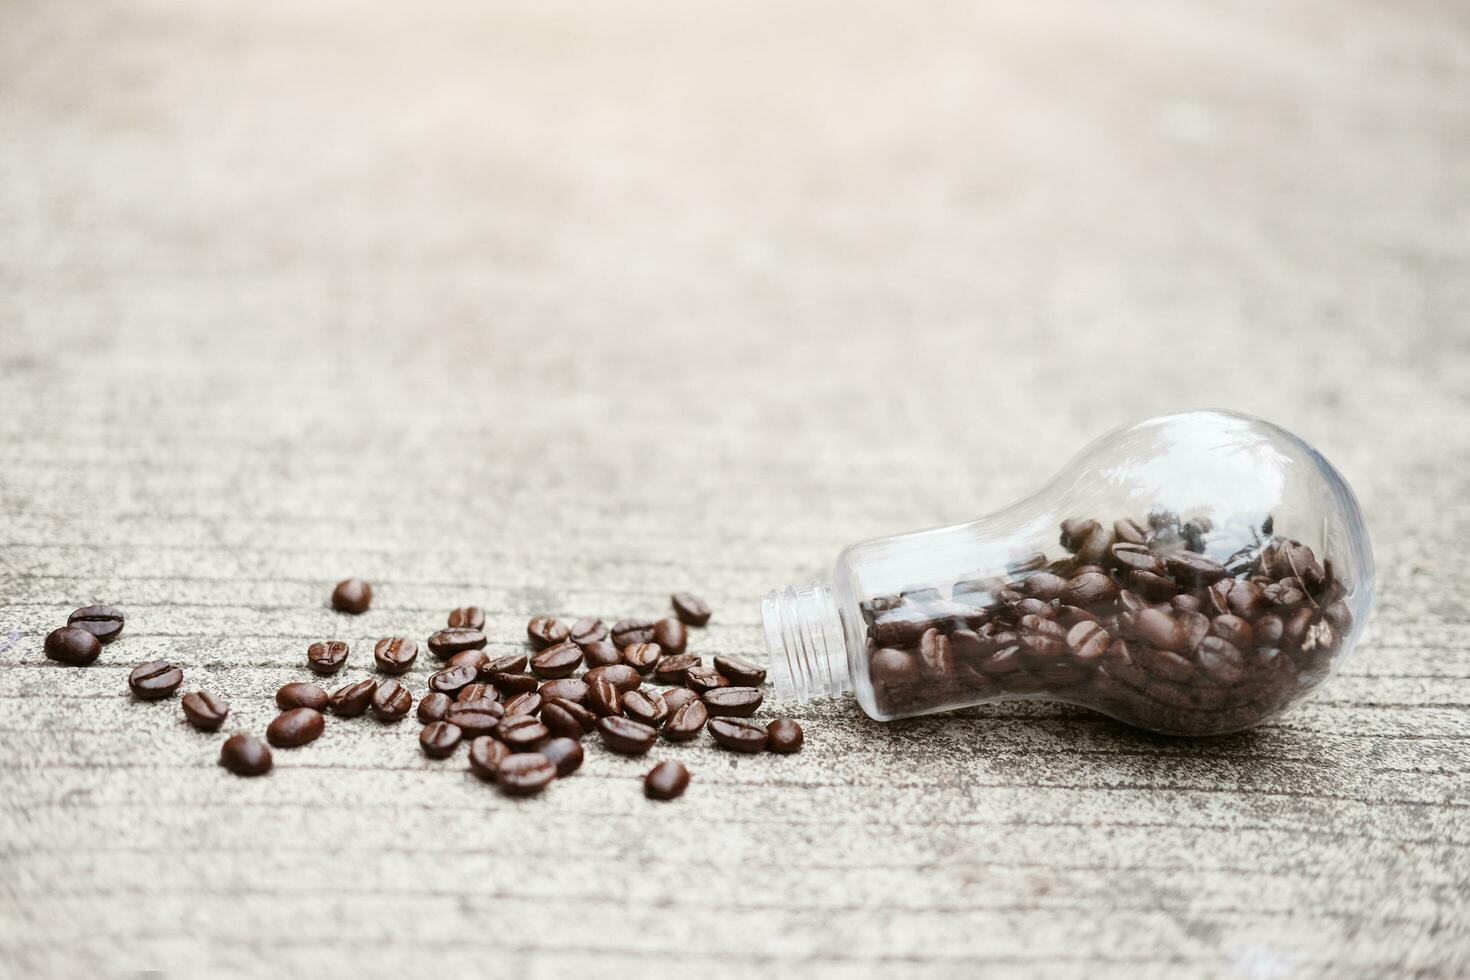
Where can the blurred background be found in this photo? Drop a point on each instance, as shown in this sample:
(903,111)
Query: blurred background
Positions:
(558,308)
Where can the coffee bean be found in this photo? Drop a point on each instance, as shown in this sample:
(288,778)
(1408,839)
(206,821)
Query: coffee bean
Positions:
(690,608)
(604,698)
(582,715)
(784,736)
(451,680)
(352,596)
(1233,630)
(327,656)
(1193,627)
(456,639)
(1075,531)
(1088,641)
(601,653)
(434,707)
(72,645)
(526,774)
(626,736)
(513,663)
(626,632)
(486,756)
(1129,531)
(1136,558)
(245,755)
(1088,589)
(301,694)
(685,721)
(351,700)
(525,703)
(509,685)
(1267,629)
(1186,603)
(671,670)
(741,673)
(934,653)
(621,676)
(477,691)
(570,688)
(1045,586)
(737,702)
(666,781)
(470,617)
(475,659)
(563,753)
(103,622)
(478,717)
(544,631)
(677,697)
(1151,586)
(587,630)
(671,635)
(294,728)
(391,701)
(560,660)
(396,654)
(1033,607)
(1156,628)
(705,679)
(642,657)
(1194,570)
(559,721)
(738,734)
(1221,661)
(1167,664)
(521,733)
(645,706)
(439,739)
(155,679)
(204,711)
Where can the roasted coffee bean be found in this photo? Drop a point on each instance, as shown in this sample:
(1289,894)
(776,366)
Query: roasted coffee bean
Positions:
(1268,630)
(327,656)
(439,739)
(738,734)
(72,645)
(1032,607)
(967,647)
(564,753)
(245,755)
(1294,628)
(1045,586)
(511,663)
(626,632)
(510,685)
(685,721)
(469,658)
(583,715)
(1233,630)
(621,676)
(475,718)
(204,711)
(642,657)
(486,756)
(1129,531)
(560,660)
(740,672)
(545,631)
(671,670)
(526,774)
(1075,531)
(569,688)
(155,679)
(1088,641)
(1193,627)
(470,617)
(604,698)
(1194,570)
(1186,603)
(559,721)
(1156,628)
(671,635)
(294,728)
(601,653)
(705,679)
(934,652)
(391,701)
(677,697)
(1221,661)
(1136,558)
(351,700)
(521,733)
(588,629)
(626,736)
(525,703)
(395,654)
(1151,586)
(1007,659)
(1338,614)
(784,736)
(456,639)
(103,622)
(1088,589)
(434,707)
(1164,663)
(301,694)
(645,706)
(1070,616)
(451,680)
(352,596)
(666,781)
(738,702)
(478,691)
(690,608)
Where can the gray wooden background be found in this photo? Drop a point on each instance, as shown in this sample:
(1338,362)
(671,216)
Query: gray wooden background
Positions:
(556,307)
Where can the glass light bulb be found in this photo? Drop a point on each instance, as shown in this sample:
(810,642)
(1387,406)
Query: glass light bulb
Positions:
(1193,574)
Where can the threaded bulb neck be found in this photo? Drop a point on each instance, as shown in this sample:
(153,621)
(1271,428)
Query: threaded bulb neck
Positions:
(805,640)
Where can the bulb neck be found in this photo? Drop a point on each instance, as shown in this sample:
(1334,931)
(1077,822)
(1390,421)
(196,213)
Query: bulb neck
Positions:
(805,640)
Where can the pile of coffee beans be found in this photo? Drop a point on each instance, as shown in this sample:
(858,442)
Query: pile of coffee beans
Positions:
(523,715)
(1135,620)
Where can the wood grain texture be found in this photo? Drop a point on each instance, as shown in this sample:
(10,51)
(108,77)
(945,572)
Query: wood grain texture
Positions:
(557,309)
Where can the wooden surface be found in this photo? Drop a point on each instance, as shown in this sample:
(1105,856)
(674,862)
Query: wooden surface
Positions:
(556,309)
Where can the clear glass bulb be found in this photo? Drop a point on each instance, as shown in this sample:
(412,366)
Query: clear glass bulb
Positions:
(1193,574)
